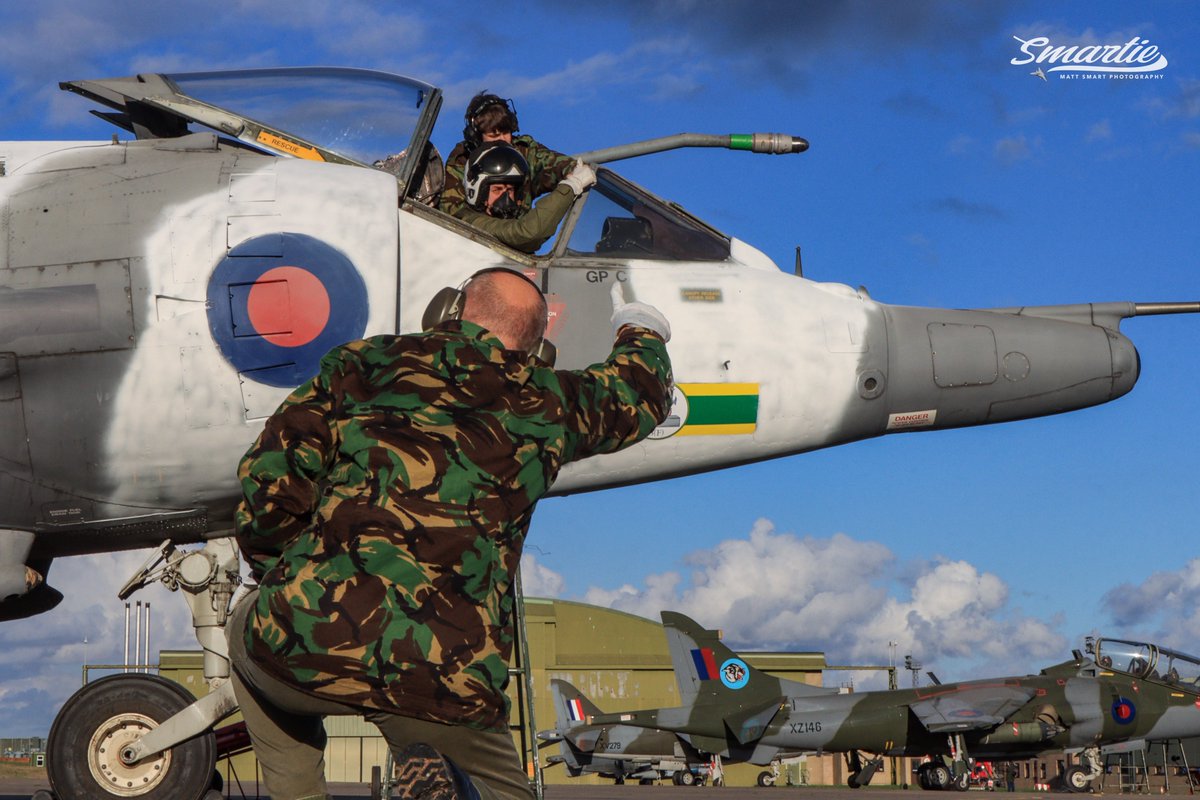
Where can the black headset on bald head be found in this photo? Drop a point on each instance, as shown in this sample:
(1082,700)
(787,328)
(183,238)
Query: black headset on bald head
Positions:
(449,303)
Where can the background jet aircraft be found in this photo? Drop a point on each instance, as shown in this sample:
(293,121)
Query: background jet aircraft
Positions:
(160,296)
(615,751)
(1127,694)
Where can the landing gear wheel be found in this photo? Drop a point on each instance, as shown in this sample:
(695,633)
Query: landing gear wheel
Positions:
(852,781)
(960,783)
(686,778)
(97,722)
(766,778)
(939,776)
(1075,779)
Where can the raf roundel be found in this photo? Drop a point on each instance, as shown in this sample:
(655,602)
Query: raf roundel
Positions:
(1123,711)
(277,303)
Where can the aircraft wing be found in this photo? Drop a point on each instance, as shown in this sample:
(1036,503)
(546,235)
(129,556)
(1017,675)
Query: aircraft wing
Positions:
(970,708)
(749,724)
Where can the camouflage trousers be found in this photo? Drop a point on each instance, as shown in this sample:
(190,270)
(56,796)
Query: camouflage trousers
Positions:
(287,729)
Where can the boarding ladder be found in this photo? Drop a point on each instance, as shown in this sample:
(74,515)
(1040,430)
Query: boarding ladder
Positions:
(1130,770)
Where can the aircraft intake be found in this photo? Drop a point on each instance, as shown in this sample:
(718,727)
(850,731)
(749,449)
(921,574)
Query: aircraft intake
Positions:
(955,368)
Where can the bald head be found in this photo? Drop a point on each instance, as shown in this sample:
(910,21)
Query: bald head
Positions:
(510,306)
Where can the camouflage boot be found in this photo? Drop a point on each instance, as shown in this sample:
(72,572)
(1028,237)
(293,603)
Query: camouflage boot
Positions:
(425,774)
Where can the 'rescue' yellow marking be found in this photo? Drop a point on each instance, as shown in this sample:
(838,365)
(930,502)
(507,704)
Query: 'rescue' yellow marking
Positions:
(288,146)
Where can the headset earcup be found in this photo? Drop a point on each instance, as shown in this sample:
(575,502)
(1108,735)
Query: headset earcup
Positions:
(447,304)
(546,352)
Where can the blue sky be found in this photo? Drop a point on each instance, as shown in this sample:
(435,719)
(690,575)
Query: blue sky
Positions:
(939,174)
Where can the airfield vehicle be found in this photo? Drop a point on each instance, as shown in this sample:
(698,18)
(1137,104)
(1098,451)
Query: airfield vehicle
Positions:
(161,294)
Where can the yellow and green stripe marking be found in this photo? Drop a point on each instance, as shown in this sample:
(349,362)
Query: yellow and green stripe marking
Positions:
(719,408)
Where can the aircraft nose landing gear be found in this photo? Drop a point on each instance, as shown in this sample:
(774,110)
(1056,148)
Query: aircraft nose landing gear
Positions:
(88,752)
(136,735)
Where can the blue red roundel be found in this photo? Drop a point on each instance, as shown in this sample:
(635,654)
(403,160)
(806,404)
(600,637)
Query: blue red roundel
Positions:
(1123,711)
(277,303)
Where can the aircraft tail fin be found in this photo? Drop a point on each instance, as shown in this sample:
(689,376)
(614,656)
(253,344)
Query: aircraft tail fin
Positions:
(705,669)
(571,706)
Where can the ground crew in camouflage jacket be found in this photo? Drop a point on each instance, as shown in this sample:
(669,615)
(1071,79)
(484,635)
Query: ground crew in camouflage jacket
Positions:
(546,169)
(386,504)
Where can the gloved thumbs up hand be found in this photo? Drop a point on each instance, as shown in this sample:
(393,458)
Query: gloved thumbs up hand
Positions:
(639,315)
(580,177)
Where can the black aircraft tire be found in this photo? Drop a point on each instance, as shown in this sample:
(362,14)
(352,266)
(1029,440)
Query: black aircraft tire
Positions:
(961,783)
(939,777)
(1075,779)
(766,778)
(82,758)
(686,778)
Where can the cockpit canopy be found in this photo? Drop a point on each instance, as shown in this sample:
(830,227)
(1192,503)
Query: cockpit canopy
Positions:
(1149,661)
(334,114)
(369,118)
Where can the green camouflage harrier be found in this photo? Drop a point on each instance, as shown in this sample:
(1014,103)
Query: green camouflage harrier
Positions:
(387,500)
(1125,695)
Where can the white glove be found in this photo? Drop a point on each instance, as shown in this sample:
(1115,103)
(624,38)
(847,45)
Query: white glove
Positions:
(580,177)
(639,315)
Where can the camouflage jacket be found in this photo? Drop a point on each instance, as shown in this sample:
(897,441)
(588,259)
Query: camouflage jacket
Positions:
(386,504)
(529,231)
(546,169)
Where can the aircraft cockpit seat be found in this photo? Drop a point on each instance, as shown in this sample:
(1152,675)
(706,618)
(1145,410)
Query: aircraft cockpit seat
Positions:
(429,179)
(626,236)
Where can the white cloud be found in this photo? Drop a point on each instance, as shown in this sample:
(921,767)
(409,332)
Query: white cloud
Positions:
(657,64)
(538,580)
(776,590)
(1164,607)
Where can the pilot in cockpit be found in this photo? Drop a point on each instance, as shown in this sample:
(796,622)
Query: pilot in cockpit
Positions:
(491,118)
(495,175)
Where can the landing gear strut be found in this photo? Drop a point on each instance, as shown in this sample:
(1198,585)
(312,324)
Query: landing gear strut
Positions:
(1078,778)
(141,736)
